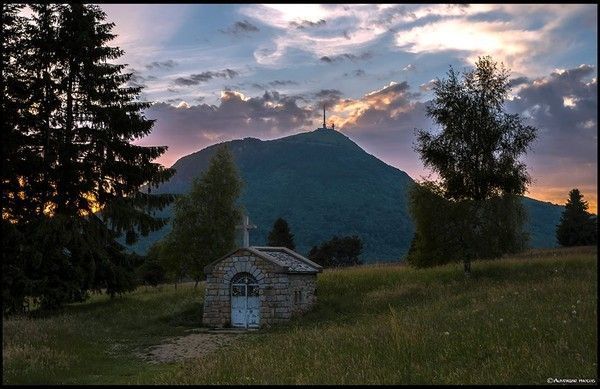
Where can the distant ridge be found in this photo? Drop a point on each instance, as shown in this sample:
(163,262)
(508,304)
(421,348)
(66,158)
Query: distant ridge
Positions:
(324,184)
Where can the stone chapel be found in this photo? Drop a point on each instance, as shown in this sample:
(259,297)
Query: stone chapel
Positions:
(253,287)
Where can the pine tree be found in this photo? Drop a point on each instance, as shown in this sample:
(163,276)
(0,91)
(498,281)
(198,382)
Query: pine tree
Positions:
(577,227)
(14,137)
(74,178)
(205,218)
(18,207)
(280,235)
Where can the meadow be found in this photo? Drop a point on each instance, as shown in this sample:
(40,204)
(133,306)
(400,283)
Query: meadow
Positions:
(518,320)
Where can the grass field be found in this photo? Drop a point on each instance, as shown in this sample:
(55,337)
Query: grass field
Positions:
(516,320)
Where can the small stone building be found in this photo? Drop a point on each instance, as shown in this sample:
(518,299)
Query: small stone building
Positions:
(258,286)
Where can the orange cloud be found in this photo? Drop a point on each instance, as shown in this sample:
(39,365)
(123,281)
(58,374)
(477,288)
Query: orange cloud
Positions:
(390,98)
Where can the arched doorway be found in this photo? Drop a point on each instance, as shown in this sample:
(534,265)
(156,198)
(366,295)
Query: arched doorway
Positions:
(245,303)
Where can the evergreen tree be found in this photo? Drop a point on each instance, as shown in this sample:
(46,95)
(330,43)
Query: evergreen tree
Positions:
(14,137)
(70,120)
(577,227)
(205,218)
(280,235)
(476,155)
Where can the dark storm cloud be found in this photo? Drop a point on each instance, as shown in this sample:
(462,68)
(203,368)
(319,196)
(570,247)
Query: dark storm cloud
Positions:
(196,79)
(327,97)
(240,27)
(307,24)
(347,57)
(161,65)
(138,78)
(518,81)
(563,106)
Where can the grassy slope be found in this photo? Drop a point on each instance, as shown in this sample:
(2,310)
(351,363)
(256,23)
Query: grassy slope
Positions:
(519,320)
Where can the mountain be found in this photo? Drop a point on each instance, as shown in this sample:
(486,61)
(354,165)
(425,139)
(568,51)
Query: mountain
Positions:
(324,184)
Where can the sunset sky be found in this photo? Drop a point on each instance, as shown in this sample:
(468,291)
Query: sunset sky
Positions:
(222,72)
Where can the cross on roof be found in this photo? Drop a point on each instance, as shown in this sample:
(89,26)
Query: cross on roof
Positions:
(246,226)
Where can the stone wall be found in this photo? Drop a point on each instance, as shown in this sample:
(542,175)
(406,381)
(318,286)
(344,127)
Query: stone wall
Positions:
(302,292)
(274,295)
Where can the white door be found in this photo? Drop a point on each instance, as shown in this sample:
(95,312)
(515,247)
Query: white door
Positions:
(245,301)
(238,305)
(252,306)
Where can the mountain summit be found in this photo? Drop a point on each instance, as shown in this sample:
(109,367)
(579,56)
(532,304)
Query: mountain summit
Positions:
(324,184)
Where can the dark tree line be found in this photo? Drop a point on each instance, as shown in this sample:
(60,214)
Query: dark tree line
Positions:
(344,251)
(69,116)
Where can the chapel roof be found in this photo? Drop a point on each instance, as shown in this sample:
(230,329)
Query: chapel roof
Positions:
(287,260)
(295,262)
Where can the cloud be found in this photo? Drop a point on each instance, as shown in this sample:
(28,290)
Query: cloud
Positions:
(277,83)
(519,35)
(368,111)
(188,128)
(168,64)
(307,24)
(564,108)
(478,37)
(196,79)
(427,86)
(347,57)
(273,84)
(356,73)
(409,68)
(346,30)
(240,28)
(514,82)
(327,97)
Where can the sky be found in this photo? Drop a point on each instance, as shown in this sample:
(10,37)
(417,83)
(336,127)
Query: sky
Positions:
(224,71)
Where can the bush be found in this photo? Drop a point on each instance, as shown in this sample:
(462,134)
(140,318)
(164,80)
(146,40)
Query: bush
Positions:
(337,252)
(450,231)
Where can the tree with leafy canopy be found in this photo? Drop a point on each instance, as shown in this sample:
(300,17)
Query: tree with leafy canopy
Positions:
(476,153)
(69,152)
(577,226)
(205,218)
(338,252)
(280,235)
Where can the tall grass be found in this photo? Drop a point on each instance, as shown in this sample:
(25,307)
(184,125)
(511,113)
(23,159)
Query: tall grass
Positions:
(514,321)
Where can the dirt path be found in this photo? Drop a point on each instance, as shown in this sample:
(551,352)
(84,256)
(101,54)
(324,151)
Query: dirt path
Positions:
(190,346)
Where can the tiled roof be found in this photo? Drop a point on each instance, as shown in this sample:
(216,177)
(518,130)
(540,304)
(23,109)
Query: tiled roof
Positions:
(295,262)
(286,260)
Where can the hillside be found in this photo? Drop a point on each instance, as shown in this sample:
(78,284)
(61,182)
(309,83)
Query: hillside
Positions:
(324,184)
(517,320)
